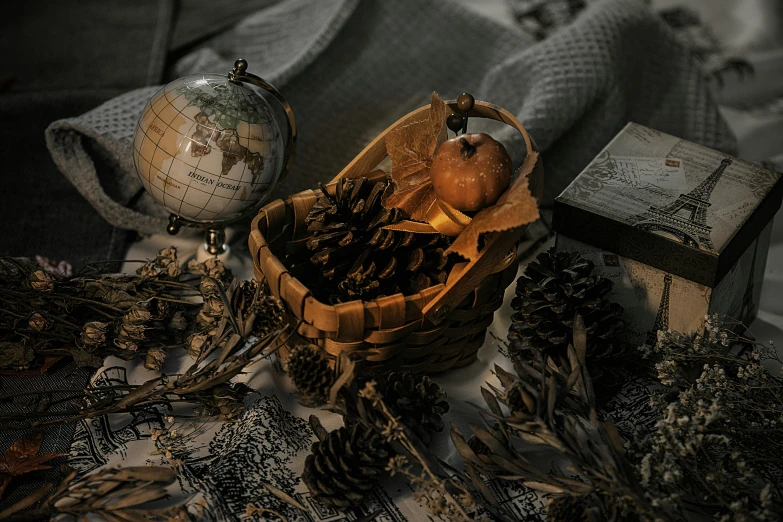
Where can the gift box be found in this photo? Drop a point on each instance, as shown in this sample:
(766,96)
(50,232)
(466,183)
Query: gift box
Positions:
(681,230)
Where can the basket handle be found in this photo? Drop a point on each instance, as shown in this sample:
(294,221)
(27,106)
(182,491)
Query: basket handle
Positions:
(497,245)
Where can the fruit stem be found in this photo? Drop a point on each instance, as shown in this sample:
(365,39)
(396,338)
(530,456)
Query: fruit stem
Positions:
(468,149)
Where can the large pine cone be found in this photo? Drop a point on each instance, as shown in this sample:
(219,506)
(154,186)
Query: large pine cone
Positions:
(343,468)
(555,287)
(309,370)
(358,258)
(417,401)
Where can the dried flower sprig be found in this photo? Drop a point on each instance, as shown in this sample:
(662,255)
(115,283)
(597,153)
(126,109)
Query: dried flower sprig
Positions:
(718,446)
(107,494)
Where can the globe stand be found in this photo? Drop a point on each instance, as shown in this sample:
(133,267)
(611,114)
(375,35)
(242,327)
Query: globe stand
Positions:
(214,245)
(214,236)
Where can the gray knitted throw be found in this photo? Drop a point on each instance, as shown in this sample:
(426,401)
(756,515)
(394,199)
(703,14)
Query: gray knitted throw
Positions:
(350,69)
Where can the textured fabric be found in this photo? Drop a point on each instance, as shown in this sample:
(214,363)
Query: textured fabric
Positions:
(350,69)
(57,438)
(84,44)
(61,59)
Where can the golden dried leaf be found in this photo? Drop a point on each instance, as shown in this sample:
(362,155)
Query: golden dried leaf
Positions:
(515,208)
(411,148)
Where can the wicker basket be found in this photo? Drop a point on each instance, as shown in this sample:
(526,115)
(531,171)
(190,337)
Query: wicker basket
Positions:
(439,328)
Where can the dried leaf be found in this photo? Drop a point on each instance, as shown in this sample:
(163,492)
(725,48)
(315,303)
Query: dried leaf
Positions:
(464,449)
(546,488)
(551,399)
(155,358)
(491,401)
(482,487)
(22,457)
(580,339)
(155,473)
(490,441)
(144,493)
(614,435)
(507,379)
(84,359)
(26,502)
(45,366)
(411,148)
(318,428)
(140,393)
(370,516)
(228,348)
(15,355)
(282,495)
(346,368)
(515,208)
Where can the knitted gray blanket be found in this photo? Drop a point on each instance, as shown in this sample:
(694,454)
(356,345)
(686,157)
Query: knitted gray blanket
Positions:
(351,68)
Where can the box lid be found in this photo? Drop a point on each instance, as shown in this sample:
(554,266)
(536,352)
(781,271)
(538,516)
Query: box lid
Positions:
(669,203)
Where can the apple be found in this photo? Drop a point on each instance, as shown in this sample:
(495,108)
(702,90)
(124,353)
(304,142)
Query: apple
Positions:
(470,171)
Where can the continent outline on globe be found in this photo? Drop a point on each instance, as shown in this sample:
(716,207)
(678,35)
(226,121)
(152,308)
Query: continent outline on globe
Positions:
(207,149)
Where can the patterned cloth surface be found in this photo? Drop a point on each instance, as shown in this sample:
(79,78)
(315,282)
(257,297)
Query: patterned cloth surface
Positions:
(349,69)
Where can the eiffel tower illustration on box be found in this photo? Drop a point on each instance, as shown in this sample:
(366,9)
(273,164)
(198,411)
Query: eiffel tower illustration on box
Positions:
(686,217)
(662,317)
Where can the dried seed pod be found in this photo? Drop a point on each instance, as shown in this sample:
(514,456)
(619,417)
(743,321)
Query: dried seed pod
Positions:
(41,281)
(37,322)
(155,359)
(196,344)
(94,334)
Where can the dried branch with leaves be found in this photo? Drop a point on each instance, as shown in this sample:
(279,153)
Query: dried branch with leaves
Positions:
(108,494)
(225,326)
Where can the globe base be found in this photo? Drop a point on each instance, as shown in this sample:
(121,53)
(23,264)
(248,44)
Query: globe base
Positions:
(215,241)
(203,253)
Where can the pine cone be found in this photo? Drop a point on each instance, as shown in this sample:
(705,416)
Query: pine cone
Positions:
(309,370)
(344,467)
(555,287)
(417,401)
(358,258)
(567,509)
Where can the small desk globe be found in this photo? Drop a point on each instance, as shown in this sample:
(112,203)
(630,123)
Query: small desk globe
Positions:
(208,148)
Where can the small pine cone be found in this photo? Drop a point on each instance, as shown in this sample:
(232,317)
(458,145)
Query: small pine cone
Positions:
(567,509)
(555,287)
(417,401)
(310,372)
(344,467)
